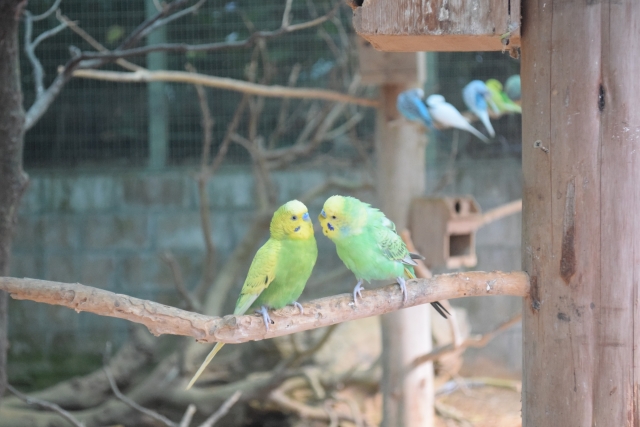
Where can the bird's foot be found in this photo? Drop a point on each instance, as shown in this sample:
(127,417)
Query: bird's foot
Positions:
(357,292)
(264,311)
(403,287)
(298,306)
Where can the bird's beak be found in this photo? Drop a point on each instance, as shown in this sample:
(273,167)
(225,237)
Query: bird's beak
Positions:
(323,214)
(306,216)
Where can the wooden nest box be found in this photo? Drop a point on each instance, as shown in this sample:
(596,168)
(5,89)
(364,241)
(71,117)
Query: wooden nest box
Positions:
(438,25)
(443,230)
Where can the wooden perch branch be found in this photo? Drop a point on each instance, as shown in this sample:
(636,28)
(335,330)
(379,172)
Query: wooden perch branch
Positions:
(501,211)
(162,319)
(273,91)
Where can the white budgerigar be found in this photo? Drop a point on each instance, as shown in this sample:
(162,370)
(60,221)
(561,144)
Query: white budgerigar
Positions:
(447,115)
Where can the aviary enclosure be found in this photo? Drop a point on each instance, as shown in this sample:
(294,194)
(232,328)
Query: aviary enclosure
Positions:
(580,232)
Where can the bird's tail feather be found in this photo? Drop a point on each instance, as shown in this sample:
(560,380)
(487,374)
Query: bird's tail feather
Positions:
(210,356)
(477,133)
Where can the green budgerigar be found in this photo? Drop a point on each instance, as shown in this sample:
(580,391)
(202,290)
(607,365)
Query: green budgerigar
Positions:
(280,269)
(503,103)
(367,243)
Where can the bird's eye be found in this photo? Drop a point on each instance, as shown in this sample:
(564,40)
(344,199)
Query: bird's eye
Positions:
(333,217)
(294,217)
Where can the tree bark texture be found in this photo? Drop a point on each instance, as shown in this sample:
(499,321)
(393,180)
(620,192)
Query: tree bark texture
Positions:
(406,334)
(581,233)
(163,319)
(12,178)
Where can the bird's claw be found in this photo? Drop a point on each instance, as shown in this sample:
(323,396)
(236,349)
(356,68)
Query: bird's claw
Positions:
(298,306)
(403,288)
(265,316)
(357,292)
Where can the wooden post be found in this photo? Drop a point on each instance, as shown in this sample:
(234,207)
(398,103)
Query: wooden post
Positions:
(581,225)
(406,334)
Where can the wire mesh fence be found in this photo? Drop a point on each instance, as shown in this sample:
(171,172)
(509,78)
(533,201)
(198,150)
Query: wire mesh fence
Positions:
(104,124)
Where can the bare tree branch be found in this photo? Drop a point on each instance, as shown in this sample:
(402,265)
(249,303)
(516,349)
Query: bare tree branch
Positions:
(116,391)
(137,34)
(162,319)
(45,405)
(160,22)
(223,410)
(501,211)
(30,45)
(93,59)
(48,13)
(476,342)
(192,303)
(188,416)
(94,43)
(271,91)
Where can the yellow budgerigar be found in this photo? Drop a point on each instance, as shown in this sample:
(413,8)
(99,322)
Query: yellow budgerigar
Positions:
(280,268)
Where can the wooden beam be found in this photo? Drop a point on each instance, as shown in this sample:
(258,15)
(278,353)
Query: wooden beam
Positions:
(438,25)
(581,233)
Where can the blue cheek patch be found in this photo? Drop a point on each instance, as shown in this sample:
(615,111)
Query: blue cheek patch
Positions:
(324,215)
(297,228)
(330,226)
(306,216)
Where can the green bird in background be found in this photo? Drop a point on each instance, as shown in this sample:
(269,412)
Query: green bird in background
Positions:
(367,243)
(280,268)
(504,104)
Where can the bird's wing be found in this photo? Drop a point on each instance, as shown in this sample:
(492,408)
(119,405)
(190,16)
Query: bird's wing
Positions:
(261,273)
(392,245)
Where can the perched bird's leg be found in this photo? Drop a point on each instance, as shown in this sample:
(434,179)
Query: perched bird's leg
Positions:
(403,287)
(357,291)
(299,306)
(265,316)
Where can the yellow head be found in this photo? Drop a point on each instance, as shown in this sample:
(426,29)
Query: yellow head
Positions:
(342,216)
(494,84)
(291,221)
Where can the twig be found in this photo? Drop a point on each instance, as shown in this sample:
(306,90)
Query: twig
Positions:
(188,416)
(272,91)
(203,179)
(317,346)
(148,412)
(501,211)
(178,281)
(30,45)
(45,405)
(94,43)
(162,319)
(477,382)
(279,397)
(138,32)
(45,15)
(160,22)
(96,58)
(286,16)
(223,410)
(476,342)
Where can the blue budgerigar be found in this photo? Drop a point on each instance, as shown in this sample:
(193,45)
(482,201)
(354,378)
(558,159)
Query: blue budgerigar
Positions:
(477,98)
(410,104)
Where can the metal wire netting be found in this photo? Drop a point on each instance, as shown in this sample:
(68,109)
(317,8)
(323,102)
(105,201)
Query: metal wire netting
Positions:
(96,123)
